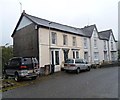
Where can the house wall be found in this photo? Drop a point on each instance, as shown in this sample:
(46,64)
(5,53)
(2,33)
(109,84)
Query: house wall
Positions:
(93,49)
(114,50)
(44,48)
(102,50)
(25,42)
(87,49)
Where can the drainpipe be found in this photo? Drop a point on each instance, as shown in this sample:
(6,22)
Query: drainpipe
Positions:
(49,46)
(90,51)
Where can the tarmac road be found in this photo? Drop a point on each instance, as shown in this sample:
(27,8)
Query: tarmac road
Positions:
(97,83)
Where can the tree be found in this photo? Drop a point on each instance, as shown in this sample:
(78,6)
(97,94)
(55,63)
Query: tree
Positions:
(7,53)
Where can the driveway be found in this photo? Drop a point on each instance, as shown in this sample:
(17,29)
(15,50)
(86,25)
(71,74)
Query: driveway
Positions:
(97,83)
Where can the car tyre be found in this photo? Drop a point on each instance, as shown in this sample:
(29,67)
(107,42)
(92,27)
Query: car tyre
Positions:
(33,78)
(77,70)
(17,78)
(67,71)
(5,76)
(88,69)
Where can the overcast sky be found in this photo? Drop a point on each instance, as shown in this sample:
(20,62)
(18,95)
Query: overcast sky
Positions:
(77,13)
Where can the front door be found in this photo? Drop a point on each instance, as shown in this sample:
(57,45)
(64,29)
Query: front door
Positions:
(65,51)
(105,55)
(55,57)
(86,56)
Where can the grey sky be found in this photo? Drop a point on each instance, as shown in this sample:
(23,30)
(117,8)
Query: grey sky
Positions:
(77,13)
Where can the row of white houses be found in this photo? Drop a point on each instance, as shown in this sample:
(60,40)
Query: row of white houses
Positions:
(99,47)
(53,43)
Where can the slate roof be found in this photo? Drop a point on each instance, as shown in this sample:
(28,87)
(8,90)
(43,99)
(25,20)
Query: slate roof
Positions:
(105,35)
(88,30)
(53,25)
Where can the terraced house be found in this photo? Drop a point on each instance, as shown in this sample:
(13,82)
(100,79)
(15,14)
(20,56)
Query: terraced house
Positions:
(53,43)
(109,51)
(91,44)
(50,42)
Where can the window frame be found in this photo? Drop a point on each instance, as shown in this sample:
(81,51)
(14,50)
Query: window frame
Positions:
(76,54)
(65,39)
(95,43)
(85,43)
(53,38)
(74,43)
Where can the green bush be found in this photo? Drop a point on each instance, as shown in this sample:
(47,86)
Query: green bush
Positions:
(7,53)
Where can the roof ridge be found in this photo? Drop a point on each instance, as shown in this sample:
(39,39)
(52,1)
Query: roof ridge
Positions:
(105,30)
(88,26)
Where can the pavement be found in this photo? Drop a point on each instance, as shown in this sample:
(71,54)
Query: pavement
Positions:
(97,83)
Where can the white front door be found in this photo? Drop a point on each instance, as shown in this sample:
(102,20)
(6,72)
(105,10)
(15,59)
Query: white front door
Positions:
(55,59)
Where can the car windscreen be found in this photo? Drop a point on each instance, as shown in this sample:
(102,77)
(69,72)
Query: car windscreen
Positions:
(69,61)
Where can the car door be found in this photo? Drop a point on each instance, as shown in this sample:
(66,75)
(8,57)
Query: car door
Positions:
(82,64)
(79,63)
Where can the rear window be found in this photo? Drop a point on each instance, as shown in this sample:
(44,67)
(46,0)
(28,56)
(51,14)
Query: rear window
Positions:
(69,61)
(79,61)
(26,61)
(15,62)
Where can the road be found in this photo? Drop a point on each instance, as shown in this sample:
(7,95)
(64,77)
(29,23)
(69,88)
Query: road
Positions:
(98,83)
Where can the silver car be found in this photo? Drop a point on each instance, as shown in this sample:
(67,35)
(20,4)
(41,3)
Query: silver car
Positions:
(76,65)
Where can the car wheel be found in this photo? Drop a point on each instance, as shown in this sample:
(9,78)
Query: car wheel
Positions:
(33,78)
(88,69)
(78,70)
(66,71)
(5,76)
(17,78)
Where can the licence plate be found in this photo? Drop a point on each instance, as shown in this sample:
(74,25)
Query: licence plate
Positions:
(68,65)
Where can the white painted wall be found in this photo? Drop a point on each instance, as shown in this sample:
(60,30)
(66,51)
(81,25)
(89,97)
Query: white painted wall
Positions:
(93,49)
(114,48)
(88,48)
(44,46)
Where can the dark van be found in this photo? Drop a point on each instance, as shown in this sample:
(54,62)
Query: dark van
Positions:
(22,67)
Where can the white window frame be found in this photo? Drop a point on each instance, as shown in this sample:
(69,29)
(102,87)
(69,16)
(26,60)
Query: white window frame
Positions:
(75,54)
(95,43)
(65,39)
(54,50)
(74,41)
(85,43)
(55,34)
(96,57)
(112,45)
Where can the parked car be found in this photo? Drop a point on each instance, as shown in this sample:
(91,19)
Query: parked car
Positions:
(76,65)
(22,67)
